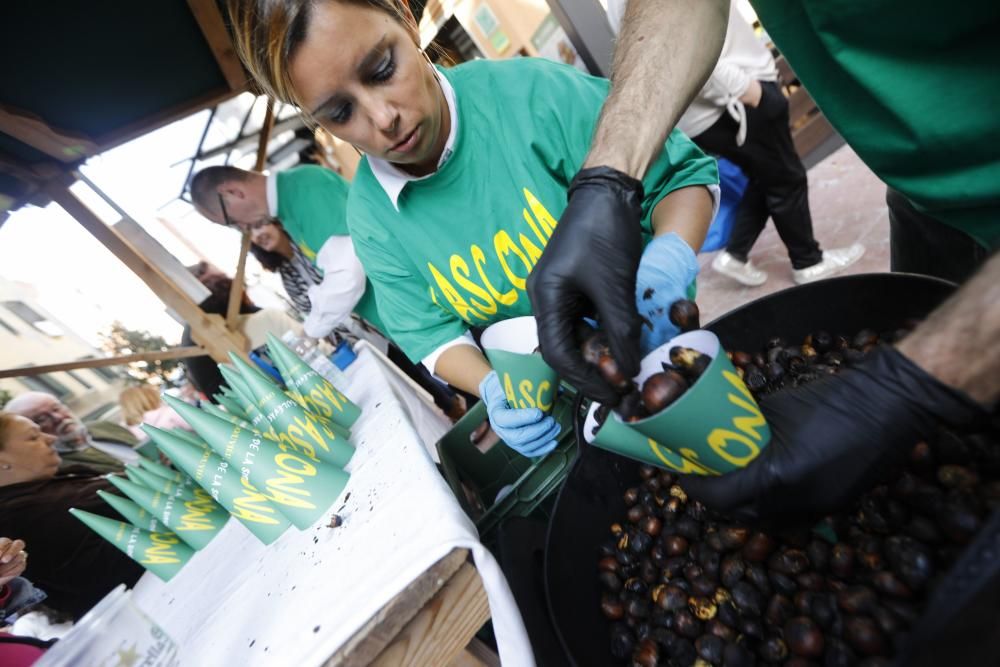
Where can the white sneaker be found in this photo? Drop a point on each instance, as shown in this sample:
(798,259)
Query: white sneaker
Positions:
(741,272)
(833,262)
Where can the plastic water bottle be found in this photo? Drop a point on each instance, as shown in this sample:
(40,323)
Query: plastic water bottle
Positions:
(311,353)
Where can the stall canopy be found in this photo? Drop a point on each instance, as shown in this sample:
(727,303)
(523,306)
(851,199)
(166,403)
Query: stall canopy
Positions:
(80,78)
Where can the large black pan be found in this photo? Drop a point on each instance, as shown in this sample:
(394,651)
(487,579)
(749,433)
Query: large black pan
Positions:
(591,498)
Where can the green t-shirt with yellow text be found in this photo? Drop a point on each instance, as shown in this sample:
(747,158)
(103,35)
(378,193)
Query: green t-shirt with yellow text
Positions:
(459,249)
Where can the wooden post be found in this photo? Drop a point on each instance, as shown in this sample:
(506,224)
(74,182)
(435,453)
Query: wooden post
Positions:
(208,330)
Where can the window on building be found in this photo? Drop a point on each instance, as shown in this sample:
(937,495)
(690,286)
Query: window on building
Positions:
(33,317)
(79,378)
(8,328)
(48,384)
(106,372)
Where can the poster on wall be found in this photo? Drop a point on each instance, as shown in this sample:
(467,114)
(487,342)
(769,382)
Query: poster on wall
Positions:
(488,23)
(552,43)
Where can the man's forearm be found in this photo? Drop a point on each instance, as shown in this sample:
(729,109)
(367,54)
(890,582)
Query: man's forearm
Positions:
(957,343)
(665,52)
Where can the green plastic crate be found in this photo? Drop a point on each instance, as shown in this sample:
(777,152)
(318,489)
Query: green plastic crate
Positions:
(476,477)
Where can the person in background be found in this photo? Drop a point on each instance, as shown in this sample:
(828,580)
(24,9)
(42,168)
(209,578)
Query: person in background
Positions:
(310,203)
(255,323)
(742,115)
(71,563)
(143,405)
(17,595)
(297,219)
(102,445)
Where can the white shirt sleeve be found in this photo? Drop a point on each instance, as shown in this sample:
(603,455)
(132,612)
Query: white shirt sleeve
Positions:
(343,285)
(430,361)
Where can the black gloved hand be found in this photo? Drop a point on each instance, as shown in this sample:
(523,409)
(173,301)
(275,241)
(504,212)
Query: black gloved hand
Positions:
(589,265)
(834,438)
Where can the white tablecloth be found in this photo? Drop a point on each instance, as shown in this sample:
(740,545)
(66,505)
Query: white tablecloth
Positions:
(298,600)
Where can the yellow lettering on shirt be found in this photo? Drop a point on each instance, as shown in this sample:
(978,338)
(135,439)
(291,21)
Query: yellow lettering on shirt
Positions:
(460,272)
(479,259)
(473,296)
(542,214)
(533,251)
(504,246)
(464,310)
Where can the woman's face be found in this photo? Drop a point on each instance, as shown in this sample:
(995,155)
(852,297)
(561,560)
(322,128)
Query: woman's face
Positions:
(271,238)
(28,451)
(360,74)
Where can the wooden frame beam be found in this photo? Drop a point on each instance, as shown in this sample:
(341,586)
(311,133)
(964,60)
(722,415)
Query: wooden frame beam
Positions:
(207,330)
(213,27)
(173,353)
(35,132)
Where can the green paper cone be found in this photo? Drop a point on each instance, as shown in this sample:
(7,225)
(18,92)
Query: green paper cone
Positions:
(131,472)
(300,485)
(134,514)
(716,423)
(163,553)
(293,425)
(243,396)
(195,520)
(309,388)
(162,470)
(527,381)
(222,414)
(224,482)
(190,436)
(617,437)
(236,382)
(147,450)
(231,406)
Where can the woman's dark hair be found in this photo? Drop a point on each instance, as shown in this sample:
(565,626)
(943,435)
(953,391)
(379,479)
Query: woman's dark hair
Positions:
(271,261)
(218,302)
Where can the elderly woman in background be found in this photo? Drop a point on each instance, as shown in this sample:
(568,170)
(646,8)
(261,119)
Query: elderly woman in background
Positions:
(143,405)
(71,563)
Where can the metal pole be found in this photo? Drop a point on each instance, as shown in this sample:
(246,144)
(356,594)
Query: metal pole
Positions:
(586,25)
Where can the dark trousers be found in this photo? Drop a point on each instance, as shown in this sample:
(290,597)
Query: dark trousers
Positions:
(777,188)
(919,243)
(443,394)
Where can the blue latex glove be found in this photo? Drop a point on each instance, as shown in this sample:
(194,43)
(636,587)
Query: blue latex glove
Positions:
(666,270)
(528,431)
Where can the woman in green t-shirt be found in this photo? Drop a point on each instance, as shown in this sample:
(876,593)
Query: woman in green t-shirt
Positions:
(465,174)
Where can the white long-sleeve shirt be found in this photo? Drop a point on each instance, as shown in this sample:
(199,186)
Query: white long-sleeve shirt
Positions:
(333,300)
(743,59)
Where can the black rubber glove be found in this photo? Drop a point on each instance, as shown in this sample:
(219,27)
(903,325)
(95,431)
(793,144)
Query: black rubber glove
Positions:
(589,266)
(831,440)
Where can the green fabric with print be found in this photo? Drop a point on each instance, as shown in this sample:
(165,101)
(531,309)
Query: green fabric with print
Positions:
(459,249)
(312,207)
(914,88)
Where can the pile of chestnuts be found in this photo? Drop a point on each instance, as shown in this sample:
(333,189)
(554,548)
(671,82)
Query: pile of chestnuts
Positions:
(682,586)
(660,389)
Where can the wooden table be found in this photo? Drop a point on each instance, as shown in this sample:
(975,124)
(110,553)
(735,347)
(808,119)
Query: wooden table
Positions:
(432,622)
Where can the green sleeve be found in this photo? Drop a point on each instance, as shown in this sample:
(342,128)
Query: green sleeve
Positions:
(576,100)
(412,319)
(312,204)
